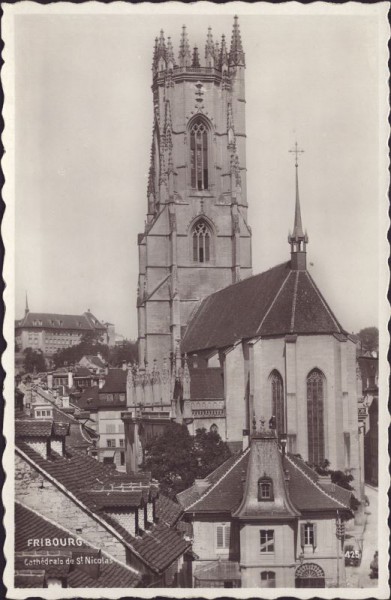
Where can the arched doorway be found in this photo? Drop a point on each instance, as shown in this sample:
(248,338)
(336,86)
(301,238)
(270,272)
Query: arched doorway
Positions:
(309,575)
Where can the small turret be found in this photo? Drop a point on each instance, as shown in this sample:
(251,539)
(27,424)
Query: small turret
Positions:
(170,54)
(223,55)
(298,239)
(161,52)
(209,49)
(196,58)
(26,310)
(236,54)
(184,49)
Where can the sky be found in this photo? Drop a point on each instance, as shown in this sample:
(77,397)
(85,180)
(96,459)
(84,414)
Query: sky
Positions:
(83,115)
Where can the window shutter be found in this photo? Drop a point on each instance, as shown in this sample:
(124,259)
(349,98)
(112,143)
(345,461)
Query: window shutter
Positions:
(315,539)
(220,536)
(227,535)
(302,535)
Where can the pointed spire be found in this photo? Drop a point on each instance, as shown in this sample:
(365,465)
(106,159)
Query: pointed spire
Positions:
(26,310)
(184,49)
(217,55)
(223,54)
(196,58)
(236,54)
(209,49)
(154,58)
(297,239)
(297,227)
(170,54)
(161,52)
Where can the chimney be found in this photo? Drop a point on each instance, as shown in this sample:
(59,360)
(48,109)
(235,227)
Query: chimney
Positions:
(201,485)
(245,439)
(70,379)
(50,381)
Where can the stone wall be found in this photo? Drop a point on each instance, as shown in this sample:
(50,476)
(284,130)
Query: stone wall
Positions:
(35,491)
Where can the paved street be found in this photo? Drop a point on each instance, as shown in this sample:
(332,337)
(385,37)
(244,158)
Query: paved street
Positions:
(359,576)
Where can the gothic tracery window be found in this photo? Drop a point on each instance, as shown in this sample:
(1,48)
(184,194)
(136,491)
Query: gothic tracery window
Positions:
(315,417)
(277,389)
(201,242)
(199,155)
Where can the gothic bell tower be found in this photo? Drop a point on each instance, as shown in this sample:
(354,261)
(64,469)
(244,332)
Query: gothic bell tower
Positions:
(196,238)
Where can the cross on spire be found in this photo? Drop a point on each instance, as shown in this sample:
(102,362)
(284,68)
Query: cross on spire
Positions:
(296,151)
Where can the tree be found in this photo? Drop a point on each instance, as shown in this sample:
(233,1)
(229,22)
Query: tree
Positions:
(33,360)
(125,352)
(171,460)
(339,478)
(369,337)
(72,354)
(176,459)
(210,451)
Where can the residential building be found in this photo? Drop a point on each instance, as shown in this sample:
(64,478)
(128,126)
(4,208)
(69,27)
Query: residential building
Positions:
(95,364)
(105,405)
(265,519)
(69,505)
(50,332)
(368,370)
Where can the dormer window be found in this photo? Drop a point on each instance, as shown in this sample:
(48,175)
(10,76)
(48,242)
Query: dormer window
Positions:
(265,489)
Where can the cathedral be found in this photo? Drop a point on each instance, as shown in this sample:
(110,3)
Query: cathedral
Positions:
(243,347)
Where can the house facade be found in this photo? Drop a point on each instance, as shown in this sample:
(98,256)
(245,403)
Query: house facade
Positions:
(265,519)
(50,332)
(120,521)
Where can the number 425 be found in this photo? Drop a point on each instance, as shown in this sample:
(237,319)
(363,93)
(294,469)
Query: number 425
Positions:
(352,554)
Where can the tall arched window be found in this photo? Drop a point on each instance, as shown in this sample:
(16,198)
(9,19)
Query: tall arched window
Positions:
(315,416)
(277,389)
(199,155)
(201,242)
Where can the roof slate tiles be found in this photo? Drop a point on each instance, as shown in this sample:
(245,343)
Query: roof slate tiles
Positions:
(29,525)
(226,488)
(279,301)
(86,321)
(206,383)
(79,473)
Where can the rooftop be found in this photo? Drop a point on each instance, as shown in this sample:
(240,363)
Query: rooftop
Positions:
(278,302)
(29,524)
(306,490)
(82,476)
(85,322)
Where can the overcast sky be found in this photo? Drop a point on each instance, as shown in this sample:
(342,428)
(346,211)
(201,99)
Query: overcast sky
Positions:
(83,130)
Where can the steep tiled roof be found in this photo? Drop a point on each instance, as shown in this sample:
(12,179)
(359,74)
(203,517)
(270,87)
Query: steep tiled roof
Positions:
(226,488)
(80,473)
(308,494)
(89,398)
(115,381)
(279,301)
(95,360)
(206,383)
(30,525)
(167,510)
(85,322)
(33,428)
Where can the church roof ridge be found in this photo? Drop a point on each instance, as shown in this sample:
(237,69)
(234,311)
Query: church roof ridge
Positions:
(279,301)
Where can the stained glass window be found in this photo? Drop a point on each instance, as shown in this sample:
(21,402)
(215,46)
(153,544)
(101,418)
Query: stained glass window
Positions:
(315,417)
